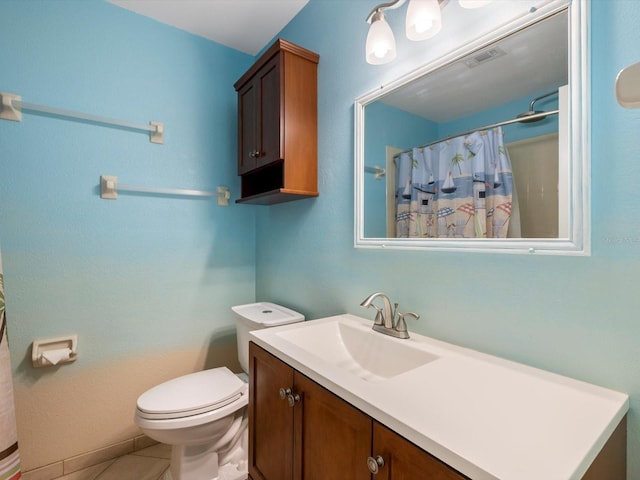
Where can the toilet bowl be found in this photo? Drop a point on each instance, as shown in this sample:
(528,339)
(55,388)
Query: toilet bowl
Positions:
(203,415)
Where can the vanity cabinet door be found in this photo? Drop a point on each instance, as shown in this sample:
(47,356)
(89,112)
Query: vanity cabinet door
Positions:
(405,461)
(270,417)
(332,438)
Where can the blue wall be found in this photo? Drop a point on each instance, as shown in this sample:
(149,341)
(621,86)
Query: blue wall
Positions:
(387,126)
(142,272)
(578,316)
(507,111)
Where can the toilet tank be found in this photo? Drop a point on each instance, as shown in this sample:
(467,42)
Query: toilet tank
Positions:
(256,316)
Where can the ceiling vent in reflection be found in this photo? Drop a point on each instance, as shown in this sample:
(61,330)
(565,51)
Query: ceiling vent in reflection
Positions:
(484,57)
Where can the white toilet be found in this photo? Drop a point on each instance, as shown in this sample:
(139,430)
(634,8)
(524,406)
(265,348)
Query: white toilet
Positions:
(203,415)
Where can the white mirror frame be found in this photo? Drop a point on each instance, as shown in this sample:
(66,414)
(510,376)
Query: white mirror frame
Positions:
(578,241)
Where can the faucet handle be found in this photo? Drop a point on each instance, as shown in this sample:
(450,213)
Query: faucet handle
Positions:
(379,320)
(368,302)
(401,325)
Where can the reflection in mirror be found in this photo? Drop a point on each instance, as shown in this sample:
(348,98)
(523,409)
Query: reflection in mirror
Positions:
(477,152)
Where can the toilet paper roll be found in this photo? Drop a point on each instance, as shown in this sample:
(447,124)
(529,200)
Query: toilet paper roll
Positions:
(55,356)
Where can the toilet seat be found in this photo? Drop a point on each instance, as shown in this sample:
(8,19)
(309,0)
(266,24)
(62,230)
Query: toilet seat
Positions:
(193,394)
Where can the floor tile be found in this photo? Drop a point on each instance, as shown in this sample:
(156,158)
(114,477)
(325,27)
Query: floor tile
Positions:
(142,441)
(86,460)
(156,451)
(47,472)
(135,467)
(90,473)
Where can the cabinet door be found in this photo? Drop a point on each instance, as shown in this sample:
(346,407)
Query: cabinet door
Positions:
(405,461)
(259,118)
(332,438)
(269,126)
(270,417)
(248,146)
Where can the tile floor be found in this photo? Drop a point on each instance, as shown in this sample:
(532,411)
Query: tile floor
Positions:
(150,463)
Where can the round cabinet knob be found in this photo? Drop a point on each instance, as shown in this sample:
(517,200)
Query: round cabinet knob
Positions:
(375,464)
(293,399)
(284,393)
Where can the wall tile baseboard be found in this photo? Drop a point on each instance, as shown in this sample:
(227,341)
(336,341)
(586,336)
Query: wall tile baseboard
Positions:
(85,460)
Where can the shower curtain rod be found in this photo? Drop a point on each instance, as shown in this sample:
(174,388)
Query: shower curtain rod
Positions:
(529,118)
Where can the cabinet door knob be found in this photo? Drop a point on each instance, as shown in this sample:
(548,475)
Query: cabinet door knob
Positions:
(375,464)
(293,398)
(284,393)
(254,154)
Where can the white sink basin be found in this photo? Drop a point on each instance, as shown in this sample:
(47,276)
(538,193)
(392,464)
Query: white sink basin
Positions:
(357,349)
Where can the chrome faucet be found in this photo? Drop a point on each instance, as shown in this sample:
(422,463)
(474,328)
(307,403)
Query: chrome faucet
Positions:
(383,318)
(385,321)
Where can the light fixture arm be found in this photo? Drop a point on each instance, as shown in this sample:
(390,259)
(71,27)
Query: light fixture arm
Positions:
(385,6)
(393,6)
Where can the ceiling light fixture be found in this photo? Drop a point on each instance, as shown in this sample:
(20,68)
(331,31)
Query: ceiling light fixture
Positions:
(381,45)
(424,20)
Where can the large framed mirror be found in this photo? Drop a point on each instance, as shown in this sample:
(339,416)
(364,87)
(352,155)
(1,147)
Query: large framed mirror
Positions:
(485,149)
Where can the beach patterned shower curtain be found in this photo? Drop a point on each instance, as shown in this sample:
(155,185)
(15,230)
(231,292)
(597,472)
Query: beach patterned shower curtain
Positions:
(9,457)
(459,188)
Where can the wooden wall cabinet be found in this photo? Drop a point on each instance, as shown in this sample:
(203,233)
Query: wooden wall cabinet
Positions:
(311,434)
(277,126)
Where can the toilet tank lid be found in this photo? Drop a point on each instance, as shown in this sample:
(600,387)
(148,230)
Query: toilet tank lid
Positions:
(265,314)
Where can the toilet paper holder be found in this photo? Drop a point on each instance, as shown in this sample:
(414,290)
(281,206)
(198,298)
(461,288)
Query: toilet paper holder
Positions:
(54,351)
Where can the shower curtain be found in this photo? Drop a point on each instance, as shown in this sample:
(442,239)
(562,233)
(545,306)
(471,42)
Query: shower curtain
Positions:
(459,188)
(9,457)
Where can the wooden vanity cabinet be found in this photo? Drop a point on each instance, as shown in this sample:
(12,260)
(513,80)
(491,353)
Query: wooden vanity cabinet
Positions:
(404,461)
(270,419)
(332,438)
(277,126)
(321,437)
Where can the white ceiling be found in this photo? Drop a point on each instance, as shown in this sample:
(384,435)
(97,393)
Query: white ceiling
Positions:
(245,25)
(535,59)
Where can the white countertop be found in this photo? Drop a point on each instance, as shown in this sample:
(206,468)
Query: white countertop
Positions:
(485,416)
